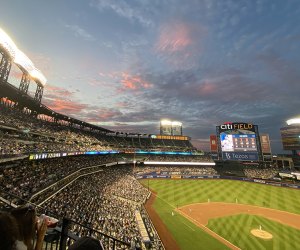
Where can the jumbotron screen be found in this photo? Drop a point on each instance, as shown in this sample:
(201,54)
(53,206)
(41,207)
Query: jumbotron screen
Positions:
(238,142)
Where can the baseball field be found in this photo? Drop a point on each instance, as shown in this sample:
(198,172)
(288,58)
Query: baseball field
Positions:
(224,214)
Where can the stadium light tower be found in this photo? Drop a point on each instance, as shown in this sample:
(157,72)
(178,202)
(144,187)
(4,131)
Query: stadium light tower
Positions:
(11,53)
(7,50)
(293,121)
(290,135)
(168,127)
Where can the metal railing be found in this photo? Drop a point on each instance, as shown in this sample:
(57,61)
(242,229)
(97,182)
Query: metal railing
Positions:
(67,231)
(67,237)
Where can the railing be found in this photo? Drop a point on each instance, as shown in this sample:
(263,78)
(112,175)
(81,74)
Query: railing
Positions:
(67,231)
(67,237)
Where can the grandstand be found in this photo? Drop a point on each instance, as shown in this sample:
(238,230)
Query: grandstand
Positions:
(84,175)
(72,170)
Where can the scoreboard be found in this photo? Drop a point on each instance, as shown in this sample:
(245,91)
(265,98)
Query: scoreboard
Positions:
(238,141)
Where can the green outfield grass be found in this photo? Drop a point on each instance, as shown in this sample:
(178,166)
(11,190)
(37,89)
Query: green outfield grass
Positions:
(176,193)
(237,229)
(187,235)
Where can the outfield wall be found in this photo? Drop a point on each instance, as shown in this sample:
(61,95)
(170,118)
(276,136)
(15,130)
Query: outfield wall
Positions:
(167,175)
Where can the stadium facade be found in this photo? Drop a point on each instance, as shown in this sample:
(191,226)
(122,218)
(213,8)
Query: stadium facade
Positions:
(290,136)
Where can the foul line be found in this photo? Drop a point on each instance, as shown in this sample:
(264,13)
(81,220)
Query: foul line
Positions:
(176,211)
(209,231)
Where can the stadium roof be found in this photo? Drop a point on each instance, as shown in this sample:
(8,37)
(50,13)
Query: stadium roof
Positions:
(20,59)
(293,121)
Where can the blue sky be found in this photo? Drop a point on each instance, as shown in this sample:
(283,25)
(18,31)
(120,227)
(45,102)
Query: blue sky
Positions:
(126,64)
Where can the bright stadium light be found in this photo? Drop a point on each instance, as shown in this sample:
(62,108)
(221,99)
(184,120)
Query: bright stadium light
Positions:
(176,124)
(36,74)
(165,122)
(293,121)
(168,122)
(8,44)
(22,60)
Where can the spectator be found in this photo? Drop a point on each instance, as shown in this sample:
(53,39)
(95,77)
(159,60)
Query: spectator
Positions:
(19,229)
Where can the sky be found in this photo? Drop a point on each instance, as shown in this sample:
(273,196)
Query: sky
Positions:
(125,65)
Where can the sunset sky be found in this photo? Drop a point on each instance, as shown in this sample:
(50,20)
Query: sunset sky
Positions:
(127,64)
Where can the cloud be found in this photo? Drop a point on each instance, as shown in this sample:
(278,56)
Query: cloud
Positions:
(134,82)
(286,71)
(68,107)
(55,91)
(180,43)
(97,114)
(134,13)
(65,101)
(79,32)
(173,37)
(62,100)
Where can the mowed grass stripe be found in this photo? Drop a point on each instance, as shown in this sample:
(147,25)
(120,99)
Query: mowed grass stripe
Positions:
(187,235)
(281,233)
(183,192)
(192,191)
(243,220)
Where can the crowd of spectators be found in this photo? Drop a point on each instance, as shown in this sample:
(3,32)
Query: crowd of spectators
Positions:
(249,172)
(22,133)
(262,173)
(105,201)
(98,196)
(125,187)
(179,158)
(82,188)
(180,170)
(25,178)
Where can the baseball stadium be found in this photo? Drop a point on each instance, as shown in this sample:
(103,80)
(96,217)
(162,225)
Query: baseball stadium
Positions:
(69,184)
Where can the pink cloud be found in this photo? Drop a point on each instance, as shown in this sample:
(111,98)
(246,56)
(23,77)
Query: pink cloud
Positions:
(134,82)
(174,36)
(180,43)
(60,100)
(57,91)
(65,106)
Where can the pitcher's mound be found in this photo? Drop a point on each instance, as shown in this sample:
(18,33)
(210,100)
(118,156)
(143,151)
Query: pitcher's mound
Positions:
(262,234)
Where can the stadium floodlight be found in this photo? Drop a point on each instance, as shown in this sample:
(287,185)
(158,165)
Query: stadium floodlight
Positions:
(176,123)
(7,44)
(22,60)
(165,122)
(38,76)
(293,121)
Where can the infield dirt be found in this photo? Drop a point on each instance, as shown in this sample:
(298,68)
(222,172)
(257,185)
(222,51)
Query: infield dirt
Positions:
(202,212)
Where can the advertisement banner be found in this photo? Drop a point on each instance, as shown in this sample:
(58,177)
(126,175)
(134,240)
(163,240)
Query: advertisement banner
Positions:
(237,126)
(265,144)
(175,176)
(241,156)
(213,143)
